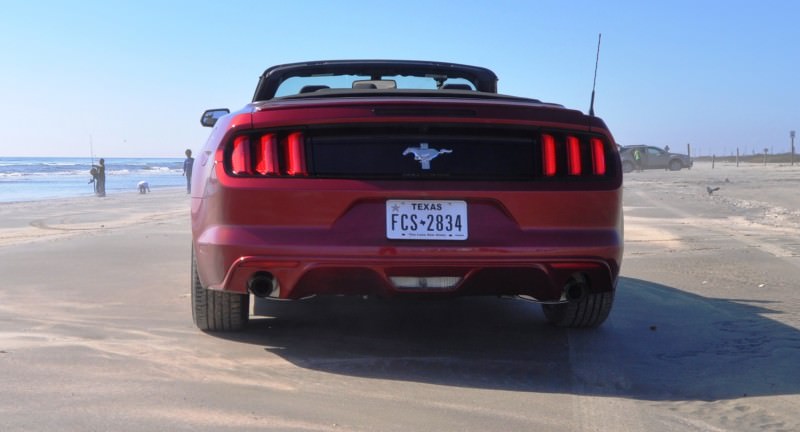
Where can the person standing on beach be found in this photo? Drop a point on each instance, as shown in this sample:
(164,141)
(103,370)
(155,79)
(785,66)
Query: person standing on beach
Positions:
(187,170)
(99,178)
(637,159)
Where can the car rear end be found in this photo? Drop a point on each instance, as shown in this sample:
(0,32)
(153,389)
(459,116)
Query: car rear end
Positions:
(409,196)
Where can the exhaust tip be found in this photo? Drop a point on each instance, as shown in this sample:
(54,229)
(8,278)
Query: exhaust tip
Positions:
(576,288)
(262,284)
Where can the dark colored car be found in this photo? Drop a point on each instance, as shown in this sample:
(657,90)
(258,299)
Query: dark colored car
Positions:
(403,178)
(653,158)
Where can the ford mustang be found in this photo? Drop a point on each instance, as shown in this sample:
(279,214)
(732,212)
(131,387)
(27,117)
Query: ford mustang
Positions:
(403,178)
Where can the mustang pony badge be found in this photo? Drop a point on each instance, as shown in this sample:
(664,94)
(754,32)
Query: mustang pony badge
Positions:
(424,154)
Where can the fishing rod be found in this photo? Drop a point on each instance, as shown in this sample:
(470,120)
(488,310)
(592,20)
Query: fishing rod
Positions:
(91,149)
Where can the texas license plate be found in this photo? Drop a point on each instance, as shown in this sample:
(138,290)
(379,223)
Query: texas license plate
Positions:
(426,220)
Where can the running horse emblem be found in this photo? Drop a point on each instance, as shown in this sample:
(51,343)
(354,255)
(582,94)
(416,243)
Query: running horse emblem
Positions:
(425,155)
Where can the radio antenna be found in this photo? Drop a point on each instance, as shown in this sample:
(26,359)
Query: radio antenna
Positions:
(594,83)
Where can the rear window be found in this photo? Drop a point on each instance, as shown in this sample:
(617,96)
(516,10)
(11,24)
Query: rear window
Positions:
(297,85)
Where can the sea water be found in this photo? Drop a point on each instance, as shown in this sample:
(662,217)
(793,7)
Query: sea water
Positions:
(31,178)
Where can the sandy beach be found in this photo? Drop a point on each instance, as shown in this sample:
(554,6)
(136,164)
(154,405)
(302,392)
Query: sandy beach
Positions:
(96,330)
(47,220)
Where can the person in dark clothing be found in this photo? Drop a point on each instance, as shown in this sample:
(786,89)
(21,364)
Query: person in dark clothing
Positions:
(99,177)
(187,170)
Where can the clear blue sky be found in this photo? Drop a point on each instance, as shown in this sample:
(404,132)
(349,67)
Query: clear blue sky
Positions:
(135,76)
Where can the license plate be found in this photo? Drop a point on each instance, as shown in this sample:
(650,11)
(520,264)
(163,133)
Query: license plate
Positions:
(426,220)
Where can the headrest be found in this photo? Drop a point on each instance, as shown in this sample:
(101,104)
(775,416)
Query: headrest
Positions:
(456,87)
(313,88)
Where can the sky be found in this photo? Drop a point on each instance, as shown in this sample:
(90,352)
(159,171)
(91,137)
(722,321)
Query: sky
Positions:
(131,78)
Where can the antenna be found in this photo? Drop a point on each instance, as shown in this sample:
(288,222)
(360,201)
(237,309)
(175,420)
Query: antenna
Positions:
(594,83)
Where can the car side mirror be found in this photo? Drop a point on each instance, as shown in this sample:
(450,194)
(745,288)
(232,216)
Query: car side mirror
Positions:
(210,117)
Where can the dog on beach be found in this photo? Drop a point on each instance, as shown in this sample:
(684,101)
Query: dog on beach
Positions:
(144,187)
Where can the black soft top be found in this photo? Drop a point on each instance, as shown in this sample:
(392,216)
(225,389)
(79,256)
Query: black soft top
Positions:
(483,79)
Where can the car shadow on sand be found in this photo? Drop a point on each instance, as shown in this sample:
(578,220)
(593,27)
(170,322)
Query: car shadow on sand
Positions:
(660,343)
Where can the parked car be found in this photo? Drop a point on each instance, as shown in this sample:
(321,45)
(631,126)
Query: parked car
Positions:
(653,158)
(403,178)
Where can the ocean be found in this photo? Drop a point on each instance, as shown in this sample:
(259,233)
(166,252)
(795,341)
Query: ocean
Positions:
(32,178)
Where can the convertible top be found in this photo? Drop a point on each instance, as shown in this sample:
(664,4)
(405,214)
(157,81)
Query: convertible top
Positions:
(483,79)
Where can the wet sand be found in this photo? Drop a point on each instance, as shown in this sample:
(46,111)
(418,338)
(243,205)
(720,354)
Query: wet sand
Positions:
(96,331)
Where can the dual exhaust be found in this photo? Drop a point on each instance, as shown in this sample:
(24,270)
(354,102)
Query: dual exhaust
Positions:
(264,284)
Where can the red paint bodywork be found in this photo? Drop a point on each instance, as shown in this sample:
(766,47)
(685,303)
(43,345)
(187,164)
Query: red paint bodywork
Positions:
(328,236)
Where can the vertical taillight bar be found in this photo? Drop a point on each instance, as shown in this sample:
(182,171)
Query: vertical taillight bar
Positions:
(267,155)
(295,155)
(598,156)
(548,155)
(573,156)
(240,156)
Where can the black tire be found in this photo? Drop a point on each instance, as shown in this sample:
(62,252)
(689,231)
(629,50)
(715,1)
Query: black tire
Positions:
(675,165)
(217,310)
(627,166)
(590,311)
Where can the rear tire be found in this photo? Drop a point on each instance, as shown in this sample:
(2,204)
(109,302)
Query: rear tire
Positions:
(217,310)
(590,311)
(675,165)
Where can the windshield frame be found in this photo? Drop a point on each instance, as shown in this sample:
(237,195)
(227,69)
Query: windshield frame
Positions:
(482,79)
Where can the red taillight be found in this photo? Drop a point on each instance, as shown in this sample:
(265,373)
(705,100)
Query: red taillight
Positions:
(577,151)
(240,156)
(598,156)
(548,155)
(261,155)
(573,156)
(267,155)
(295,155)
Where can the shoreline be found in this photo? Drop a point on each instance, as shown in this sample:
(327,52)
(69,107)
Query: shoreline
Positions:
(31,179)
(88,195)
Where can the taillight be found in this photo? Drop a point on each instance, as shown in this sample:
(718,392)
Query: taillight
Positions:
(295,155)
(240,156)
(270,154)
(573,156)
(598,156)
(267,155)
(580,155)
(548,155)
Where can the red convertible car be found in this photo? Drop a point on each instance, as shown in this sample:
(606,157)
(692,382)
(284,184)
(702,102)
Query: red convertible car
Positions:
(403,178)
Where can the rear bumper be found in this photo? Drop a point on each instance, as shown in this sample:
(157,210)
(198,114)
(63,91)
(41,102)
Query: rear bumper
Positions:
(307,262)
(330,237)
